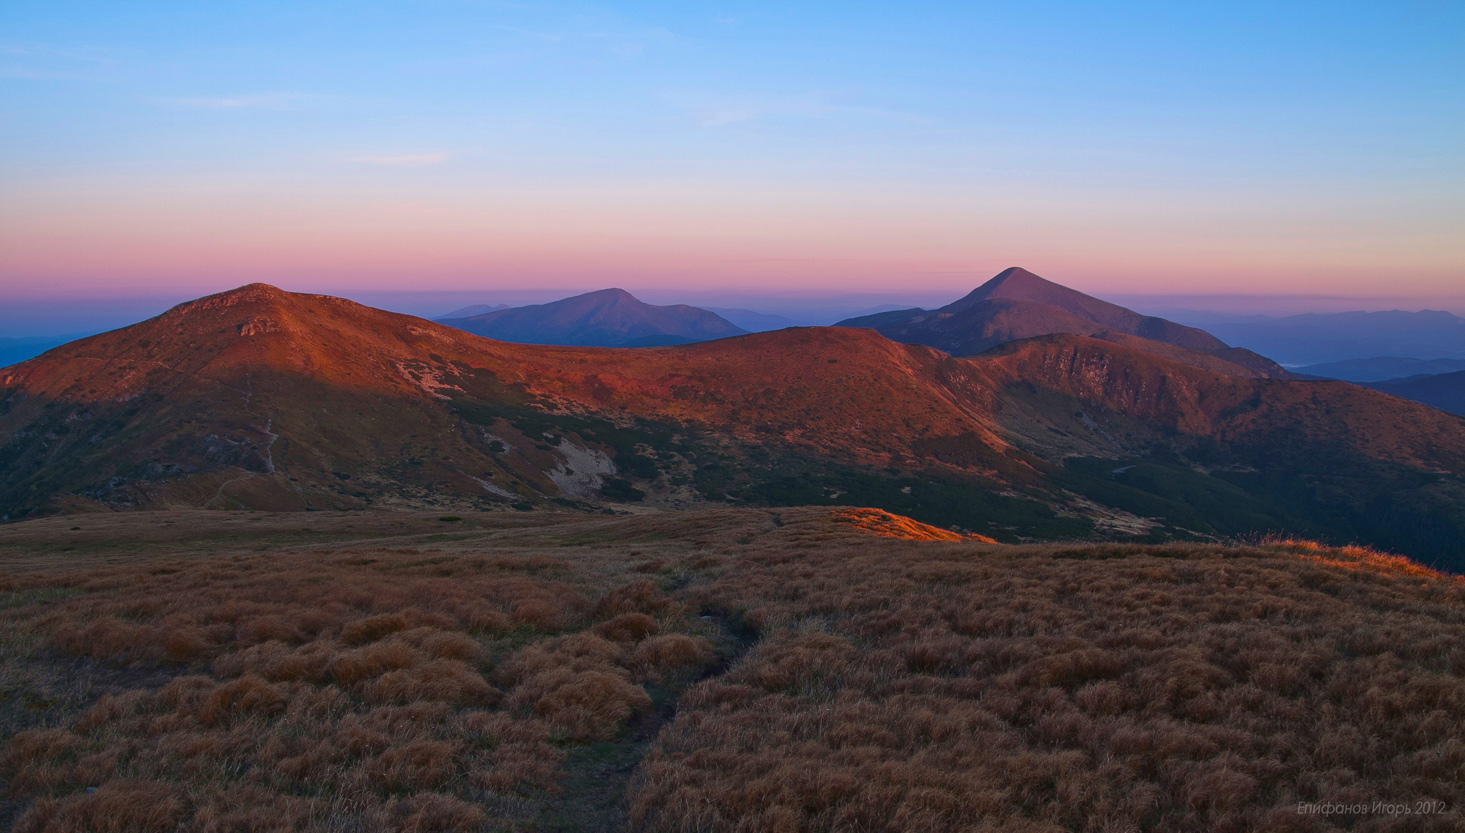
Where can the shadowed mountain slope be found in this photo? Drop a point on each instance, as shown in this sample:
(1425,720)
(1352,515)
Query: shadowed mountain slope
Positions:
(1017,304)
(607,318)
(264,399)
(1445,391)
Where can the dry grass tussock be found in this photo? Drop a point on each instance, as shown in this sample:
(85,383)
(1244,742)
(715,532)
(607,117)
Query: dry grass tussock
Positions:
(1354,558)
(928,686)
(888,684)
(884,524)
(389,690)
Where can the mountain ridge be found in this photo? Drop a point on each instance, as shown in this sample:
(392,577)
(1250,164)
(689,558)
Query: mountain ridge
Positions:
(1382,368)
(603,318)
(1320,338)
(1017,304)
(470,311)
(1445,391)
(264,399)
(1018,284)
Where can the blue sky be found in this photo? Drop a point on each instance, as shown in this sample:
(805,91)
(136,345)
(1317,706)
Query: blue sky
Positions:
(181,148)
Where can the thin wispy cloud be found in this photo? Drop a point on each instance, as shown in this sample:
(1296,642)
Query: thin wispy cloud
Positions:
(790,260)
(551,37)
(39,62)
(27,74)
(624,43)
(410,207)
(411,160)
(85,54)
(717,111)
(728,115)
(259,101)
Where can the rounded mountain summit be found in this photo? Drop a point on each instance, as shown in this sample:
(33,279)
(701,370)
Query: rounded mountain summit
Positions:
(605,318)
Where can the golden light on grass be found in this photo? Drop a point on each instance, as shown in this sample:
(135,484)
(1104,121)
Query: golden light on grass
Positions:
(753,670)
(887,525)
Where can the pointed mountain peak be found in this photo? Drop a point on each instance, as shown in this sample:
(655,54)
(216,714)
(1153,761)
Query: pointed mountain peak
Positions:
(1018,284)
(1016,274)
(1018,304)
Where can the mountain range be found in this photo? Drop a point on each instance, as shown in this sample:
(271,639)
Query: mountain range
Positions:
(1017,304)
(606,318)
(1381,368)
(472,310)
(752,321)
(259,398)
(1445,391)
(1316,338)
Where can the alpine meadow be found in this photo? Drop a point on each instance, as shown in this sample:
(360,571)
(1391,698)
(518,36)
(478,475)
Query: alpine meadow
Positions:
(466,417)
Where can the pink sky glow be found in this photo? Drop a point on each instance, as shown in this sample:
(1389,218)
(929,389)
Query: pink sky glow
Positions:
(198,237)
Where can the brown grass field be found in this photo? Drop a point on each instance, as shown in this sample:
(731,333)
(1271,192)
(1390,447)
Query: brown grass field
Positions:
(717,670)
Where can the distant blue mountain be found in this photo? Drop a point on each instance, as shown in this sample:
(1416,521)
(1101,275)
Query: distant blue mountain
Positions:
(1381,368)
(17,350)
(1445,391)
(754,322)
(1317,338)
(607,318)
(470,311)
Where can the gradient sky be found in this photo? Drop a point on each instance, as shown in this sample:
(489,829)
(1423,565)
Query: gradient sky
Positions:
(174,149)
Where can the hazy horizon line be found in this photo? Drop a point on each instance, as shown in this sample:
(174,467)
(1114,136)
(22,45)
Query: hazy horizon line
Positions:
(65,314)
